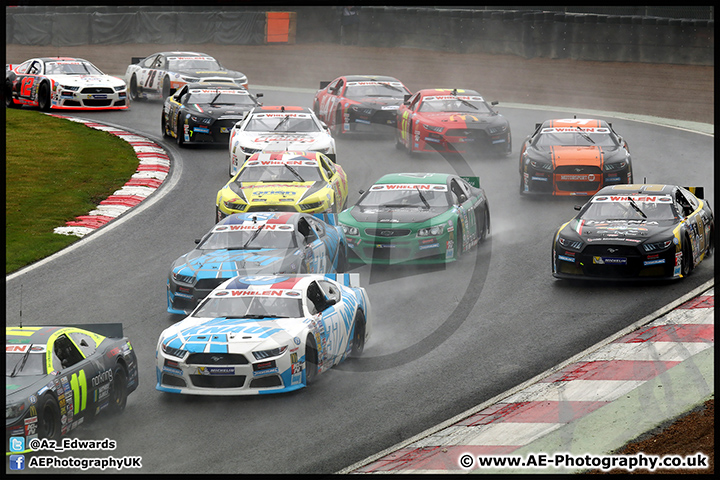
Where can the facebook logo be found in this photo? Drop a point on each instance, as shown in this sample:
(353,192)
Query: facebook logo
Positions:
(17,444)
(17,462)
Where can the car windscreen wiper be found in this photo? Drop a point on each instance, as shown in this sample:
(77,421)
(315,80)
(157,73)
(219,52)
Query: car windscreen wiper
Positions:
(465,102)
(21,363)
(584,135)
(294,172)
(282,122)
(253,236)
(635,206)
(422,197)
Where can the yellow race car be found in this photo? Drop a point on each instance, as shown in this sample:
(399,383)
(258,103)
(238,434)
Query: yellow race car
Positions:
(284,181)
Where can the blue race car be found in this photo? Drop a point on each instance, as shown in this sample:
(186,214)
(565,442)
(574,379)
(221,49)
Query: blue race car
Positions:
(260,243)
(264,334)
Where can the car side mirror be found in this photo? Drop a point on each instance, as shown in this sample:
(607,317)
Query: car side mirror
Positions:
(577,207)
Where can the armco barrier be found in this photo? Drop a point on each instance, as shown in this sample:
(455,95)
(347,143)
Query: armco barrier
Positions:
(526,33)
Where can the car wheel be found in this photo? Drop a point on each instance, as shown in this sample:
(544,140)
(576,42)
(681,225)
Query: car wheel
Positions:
(118,394)
(44,96)
(398,140)
(358,340)
(49,418)
(711,247)
(180,134)
(687,262)
(342,264)
(133,89)
(166,88)
(218,214)
(163,125)
(9,103)
(459,240)
(485,226)
(311,360)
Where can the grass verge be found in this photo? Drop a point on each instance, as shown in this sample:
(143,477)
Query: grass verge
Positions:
(55,170)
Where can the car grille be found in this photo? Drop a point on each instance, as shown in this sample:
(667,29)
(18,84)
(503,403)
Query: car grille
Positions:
(216,359)
(173,381)
(218,381)
(384,117)
(387,232)
(97,103)
(273,208)
(96,90)
(209,283)
(572,186)
(266,382)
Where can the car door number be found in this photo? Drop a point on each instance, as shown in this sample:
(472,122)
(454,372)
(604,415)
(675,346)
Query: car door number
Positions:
(78,385)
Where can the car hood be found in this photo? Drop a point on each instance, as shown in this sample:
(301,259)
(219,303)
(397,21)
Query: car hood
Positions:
(204,74)
(259,193)
(578,155)
(385,216)
(241,334)
(229,263)
(381,103)
(23,386)
(289,141)
(87,80)
(219,110)
(627,231)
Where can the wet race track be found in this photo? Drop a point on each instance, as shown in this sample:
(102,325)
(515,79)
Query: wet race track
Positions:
(444,339)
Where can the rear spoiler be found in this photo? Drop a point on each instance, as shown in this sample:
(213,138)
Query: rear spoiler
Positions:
(347,279)
(136,60)
(324,84)
(699,192)
(474,181)
(113,330)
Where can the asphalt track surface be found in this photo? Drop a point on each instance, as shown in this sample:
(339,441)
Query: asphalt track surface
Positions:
(444,339)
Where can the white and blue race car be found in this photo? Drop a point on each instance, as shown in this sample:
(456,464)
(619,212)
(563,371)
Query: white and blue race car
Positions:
(264,334)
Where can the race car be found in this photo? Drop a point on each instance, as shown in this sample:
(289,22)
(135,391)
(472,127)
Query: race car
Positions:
(58,377)
(161,74)
(264,334)
(444,120)
(636,231)
(63,83)
(257,244)
(360,103)
(278,127)
(576,156)
(416,218)
(284,181)
(205,112)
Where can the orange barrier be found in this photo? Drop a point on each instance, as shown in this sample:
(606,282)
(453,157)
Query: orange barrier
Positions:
(280,27)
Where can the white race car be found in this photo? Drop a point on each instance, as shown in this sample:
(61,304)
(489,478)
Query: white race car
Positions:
(280,128)
(264,334)
(63,83)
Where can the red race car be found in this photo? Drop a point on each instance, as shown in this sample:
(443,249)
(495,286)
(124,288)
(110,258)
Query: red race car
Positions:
(359,103)
(444,120)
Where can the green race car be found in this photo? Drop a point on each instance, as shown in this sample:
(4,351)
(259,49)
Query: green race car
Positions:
(416,218)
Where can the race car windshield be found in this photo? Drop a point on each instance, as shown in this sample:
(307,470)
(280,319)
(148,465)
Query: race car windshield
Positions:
(404,199)
(374,90)
(193,64)
(280,124)
(274,239)
(221,98)
(278,173)
(34,364)
(626,210)
(574,139)
(71,68)
(455,105)
(250,307)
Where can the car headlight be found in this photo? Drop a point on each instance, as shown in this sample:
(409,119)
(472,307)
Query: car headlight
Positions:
(615,166)
(497,130)
(431,231)
(66,87)
(14,411)
(656,246)
(273,352)
(310,206)
(570,244)
(202,120)
(183,278)
(119,88)
(541,165)
(234,204)
(175,352)
(189,79)
(249,151)
(350,230)
(433,128)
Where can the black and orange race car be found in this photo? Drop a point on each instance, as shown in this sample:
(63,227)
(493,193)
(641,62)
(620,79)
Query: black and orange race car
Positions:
(359,103)
(444,120)
(576,156)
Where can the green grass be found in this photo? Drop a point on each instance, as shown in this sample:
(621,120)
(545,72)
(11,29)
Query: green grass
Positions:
(55,170)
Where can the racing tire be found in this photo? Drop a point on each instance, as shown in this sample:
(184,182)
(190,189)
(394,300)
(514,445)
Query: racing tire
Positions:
(342,264)
(358,339)
(711,248)
(49,418)
(133,89)
(9,103)
(166,88)
(687,261)
(44,97)
(218,214)
(179,137)
(311,360)
(485,227)
(163,125)
(459,240)
(118,390)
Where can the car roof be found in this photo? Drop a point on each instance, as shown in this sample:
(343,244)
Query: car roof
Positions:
(176,53)
(637,188)
(264,217)
(282,155)
(575,122)
(370,78)
(61,59)
(223,85)
(446,91)
(34,334)
(281,108)
(433,178)
(269,283)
